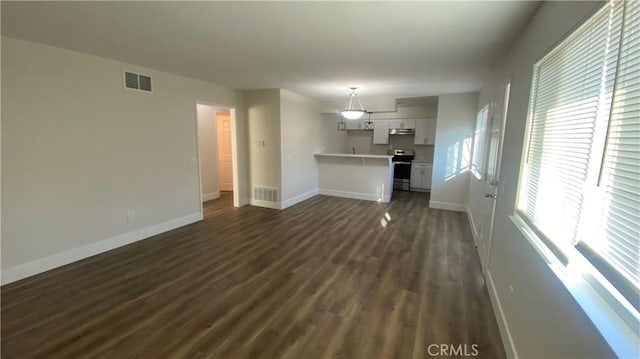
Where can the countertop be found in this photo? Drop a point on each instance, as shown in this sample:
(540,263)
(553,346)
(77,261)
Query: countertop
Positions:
(357,155)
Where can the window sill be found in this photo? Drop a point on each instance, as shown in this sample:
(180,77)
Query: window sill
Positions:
(617,324)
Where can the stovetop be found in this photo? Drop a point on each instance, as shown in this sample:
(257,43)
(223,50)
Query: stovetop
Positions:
(402,155)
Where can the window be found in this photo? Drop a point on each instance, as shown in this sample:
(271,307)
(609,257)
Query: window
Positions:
(579,188)
(479,138)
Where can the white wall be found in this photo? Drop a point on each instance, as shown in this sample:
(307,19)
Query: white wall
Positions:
(541,318)
(79,151)
(208,151)
(301,128)
(452,156)
(334,141)
(263,116)
(292,129)
(370,179)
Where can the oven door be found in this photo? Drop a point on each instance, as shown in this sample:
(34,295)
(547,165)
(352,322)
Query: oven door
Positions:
(401,175)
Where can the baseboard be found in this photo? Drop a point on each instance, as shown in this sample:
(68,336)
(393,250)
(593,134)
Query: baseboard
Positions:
(299,198)
(474,229)
(353,195)
(37,266)
(266,204)
(507,340)
(414,189)
(210,196)
(448,206)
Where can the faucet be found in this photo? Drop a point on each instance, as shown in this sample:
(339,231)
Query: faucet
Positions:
(353,150)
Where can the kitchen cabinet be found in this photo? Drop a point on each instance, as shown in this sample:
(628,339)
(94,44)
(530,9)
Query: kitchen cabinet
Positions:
(381,132)
(425,132)
(404,124)
(421,176)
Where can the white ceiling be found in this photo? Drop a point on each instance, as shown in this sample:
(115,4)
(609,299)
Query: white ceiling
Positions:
(319,49)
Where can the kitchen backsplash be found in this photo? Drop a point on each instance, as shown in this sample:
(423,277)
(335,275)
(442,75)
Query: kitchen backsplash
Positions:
(363,143)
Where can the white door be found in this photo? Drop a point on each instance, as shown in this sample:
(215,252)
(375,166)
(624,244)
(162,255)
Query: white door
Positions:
(491,178)
(225,171)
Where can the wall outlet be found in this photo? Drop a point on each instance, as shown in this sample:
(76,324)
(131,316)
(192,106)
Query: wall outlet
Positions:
(131,215)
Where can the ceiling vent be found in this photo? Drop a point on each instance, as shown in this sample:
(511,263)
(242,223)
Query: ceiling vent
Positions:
(135,81)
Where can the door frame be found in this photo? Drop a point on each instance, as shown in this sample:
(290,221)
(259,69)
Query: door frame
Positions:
(234,149)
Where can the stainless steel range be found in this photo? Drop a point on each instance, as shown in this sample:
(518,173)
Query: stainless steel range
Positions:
(401,168)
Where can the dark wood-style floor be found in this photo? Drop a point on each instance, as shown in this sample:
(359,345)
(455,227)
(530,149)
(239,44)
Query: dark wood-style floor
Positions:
(324,278)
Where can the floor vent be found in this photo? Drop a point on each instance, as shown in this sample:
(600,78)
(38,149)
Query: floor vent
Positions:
(262,193)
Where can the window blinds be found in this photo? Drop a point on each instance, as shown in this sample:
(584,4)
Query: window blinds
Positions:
(580,185)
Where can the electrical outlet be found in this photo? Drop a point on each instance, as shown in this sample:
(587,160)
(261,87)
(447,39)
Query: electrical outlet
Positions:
(131,215)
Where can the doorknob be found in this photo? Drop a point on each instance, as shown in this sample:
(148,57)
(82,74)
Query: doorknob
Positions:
(490,195)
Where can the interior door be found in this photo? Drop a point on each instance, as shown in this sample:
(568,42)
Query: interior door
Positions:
(491,178)
(225,172)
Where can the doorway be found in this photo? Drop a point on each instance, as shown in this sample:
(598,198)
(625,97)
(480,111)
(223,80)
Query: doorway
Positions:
(217,152)
(491,178)
(225,155)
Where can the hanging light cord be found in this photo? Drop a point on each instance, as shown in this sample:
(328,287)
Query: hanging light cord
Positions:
(353,94)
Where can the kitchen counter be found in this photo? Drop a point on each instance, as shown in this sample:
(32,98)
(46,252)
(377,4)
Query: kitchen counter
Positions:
(352,155)
(359,176)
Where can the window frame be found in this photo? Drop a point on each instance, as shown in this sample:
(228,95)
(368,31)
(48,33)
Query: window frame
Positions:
(602,301)
(480,138)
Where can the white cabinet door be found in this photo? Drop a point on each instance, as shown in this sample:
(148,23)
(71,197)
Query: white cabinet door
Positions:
(426,178)
(380,132)
(416,177)
(431,131)
(421,176)
(409,124)
(425,132)
(405,124)
(421,133)
(395,123)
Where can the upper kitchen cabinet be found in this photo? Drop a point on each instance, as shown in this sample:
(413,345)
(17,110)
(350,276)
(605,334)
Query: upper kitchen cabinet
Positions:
(381,132)
(425,132)
(403,124)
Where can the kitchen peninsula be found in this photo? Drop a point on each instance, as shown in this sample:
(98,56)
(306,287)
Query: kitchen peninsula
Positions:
(359,176)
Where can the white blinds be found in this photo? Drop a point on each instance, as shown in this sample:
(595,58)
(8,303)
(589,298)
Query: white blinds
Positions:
(613,238)
(581,178)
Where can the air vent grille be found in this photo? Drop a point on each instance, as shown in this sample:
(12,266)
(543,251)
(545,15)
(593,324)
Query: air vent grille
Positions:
(138,82)
(268,194)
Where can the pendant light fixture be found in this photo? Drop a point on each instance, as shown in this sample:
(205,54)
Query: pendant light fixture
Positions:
(351,113)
